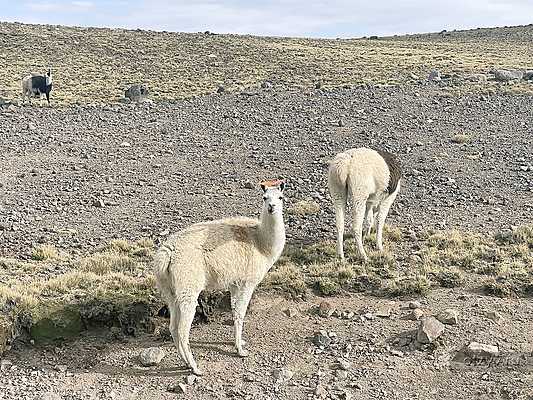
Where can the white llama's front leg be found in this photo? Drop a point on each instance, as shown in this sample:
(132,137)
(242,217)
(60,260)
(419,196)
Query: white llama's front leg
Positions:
(240,298)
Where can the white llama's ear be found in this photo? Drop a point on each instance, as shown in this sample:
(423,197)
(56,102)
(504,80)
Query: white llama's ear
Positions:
(263,187)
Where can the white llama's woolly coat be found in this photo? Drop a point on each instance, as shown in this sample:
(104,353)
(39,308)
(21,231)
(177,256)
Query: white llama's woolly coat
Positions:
(231,254)
(371,180)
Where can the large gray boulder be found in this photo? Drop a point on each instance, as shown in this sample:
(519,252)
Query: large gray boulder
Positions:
(136,93)
(506,75)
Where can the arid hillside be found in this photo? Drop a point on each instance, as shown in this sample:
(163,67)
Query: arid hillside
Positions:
(96,65)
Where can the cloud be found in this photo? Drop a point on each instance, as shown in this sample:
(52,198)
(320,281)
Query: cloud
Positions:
(59,6)
(315,18)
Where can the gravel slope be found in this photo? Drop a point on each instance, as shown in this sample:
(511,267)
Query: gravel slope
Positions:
(157,168)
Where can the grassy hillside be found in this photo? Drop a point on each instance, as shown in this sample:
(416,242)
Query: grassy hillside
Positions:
(95,65)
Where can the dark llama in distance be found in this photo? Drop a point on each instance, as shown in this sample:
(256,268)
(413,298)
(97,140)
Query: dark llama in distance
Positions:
(36,85)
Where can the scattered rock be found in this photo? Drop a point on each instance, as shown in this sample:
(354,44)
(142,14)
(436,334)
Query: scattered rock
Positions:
(504,75)
(249,185)
(61,368)
(221,89)
(384,312)
(190,379)
(494,315)
(151,356)
(136,92)
(448,316)
(414,304)
(180,388)
(321,391)
(51,396)
(416,314)
(434,76)
(99,203)
(282,374)
(325,309)
(341,374)
(429,330)
(32,126)
(322,339)
(344,364)
(480,350)
(480,78)
(290,312)
(266,85)
(528,75)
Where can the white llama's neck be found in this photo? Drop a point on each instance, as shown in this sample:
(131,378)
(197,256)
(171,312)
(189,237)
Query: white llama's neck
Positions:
(272,233)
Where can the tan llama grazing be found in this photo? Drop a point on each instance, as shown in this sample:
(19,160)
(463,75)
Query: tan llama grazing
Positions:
(230,254)
(371,179)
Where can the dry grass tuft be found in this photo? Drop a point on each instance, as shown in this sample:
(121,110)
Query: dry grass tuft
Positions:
(45,252)
(287,278)
(304,207)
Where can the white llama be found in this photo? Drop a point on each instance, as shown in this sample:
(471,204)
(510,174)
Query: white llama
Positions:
(372,179)
(230,254)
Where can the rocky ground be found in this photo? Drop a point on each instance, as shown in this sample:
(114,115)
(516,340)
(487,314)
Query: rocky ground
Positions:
(371,353)
(76,177)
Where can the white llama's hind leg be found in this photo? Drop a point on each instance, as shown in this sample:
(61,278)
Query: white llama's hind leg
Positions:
(187,310)
(339,203)
(240,298)
(173,327)
(369,219)
(359,206)
(383,211)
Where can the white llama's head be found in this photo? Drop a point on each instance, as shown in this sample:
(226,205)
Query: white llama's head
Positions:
(273,196)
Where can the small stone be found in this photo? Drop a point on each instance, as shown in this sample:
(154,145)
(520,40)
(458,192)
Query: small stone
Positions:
(344,364)
(434,76)
(32,126)
(416,314)
(341,374)
(125,144)
(61,368)
(341,123)
(475,349)
(448,316)
(221,89)
(99,203)
(494,315)
(151,356)
(290,312)
(180,388)
(414,304)
(325,309)
(190,379)
(321,391)
(397,353)
(248,185)
(429,330)
(321,339)
(384,312)
(266,85)
(282,374)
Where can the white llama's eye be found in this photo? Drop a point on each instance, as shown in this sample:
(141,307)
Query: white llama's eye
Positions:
(281,197)
(264,198)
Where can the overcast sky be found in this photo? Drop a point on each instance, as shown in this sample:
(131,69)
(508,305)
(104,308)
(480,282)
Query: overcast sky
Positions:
(322,18)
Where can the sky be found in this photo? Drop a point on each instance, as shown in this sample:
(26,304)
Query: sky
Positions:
(302,18)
